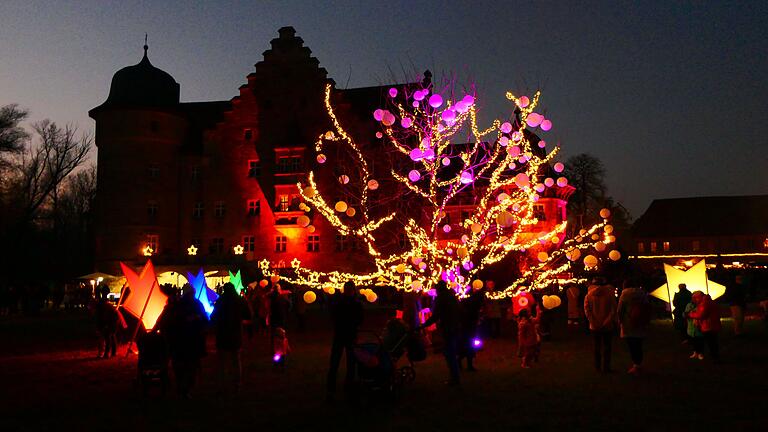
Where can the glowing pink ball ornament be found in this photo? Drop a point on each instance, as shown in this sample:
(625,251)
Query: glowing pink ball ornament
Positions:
(393,92)
(378,114)
(469,100)
(461,107)
(419,95)
(414,175)
(429,154)
(448,116)
(477,343)
(534,119)
(546,125)
(542,144)
(517,136)
(506,127)
(522,180)
(523,101)
(467,177)
(446,161)
(562,181)
(549,182)
(415,104)
(559,167)
(276,358)
(379,135)
(446,228)
(513,151)
(435,101)
(406,122)
(503,141)
(416,154)
(539,188)
(388,119)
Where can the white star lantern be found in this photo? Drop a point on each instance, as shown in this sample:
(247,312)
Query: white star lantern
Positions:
(238,250)
(148,251)
(695,279)
(192,250)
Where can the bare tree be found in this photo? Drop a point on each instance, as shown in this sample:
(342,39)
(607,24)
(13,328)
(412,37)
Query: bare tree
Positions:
(587,174)
(43,167)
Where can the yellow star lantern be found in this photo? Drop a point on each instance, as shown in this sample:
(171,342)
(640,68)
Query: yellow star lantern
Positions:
(147,251)
(192,250)
(695,279)
(238,250)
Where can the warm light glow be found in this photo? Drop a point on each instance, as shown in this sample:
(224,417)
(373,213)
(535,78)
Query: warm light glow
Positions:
(192,250)
(147,251)
(238,250)
(145,299)
(695,279)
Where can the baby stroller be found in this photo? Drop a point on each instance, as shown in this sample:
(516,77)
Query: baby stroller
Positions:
(377,359)
(153,362)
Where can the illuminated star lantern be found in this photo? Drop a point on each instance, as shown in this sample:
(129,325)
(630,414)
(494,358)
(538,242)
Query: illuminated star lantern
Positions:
(695,279)
(192,250)
(238,250)
(147,251)
(237,281)
(145,300)
(205,295)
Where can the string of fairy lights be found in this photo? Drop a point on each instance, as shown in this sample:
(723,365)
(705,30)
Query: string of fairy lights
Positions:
(498,165)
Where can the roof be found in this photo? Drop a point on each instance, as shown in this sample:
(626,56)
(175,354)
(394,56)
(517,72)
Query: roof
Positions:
(704,217)
(202,116)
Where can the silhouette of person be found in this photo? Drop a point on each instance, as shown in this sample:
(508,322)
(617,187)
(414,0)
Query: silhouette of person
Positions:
(346,316)
(227,318)
(446,311)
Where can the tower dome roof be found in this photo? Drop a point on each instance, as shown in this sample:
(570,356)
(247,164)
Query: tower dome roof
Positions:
(143,85)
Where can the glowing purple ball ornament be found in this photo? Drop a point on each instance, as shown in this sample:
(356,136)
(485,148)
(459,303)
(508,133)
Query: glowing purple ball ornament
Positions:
(546,125)
(429,154)
(503,141)
(523,101)
(477,343)
(469,100)
(542,144)
(414,175)
(378,114)
(467,177)
(534,119)
(419,95)
(276,358)
(406,122)
(416,154)
(506,127)
(393,92)
(435,101)
(559,167)
(446,161)
(448,116)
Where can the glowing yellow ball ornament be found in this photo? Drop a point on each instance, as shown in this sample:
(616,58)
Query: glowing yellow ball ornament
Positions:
(614,255)
(542,256)
(590,261)
(341,207)
(310,297)
(605,213)
(477,284)
(573,254)
(302,221)
(505,219)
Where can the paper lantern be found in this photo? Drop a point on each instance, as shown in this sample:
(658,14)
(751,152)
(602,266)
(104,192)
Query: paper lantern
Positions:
(435,100)
(341,207)
(562,181)
(600,246)
(309,192)
(310,297)
(400,268)
(549,182)
(503,141)
(448,116)
(461,252)
(263,283)
(523,101)
(343,179)
(406,122)
(559,167)
(477,284)
(595,237)
(547,302)
(608,229)
(321,158)
(311,229)
(275,278)
(414,175)
(614,255)
(351,212)
(388,119)
(302,221)
(476,228)
(392,92)
(546,125)
(513,151)
(446,228)
(610,239)
(522,181)
(506,127)
(505,219)
(542,256)
(590,261)
(373,184)
(605,213)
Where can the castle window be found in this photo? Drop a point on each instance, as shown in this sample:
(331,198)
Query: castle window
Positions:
(217,246)
(341,240)
(665,246)
(153,241)
(313,243)
(288,165)
(254,207)
(640,247)
(653,247)
(254,168)
(538,213)
(248,134)
(285,203)
(152,209)
(153,171)
(219,209)
(197,210)
(280,243)
(249,243)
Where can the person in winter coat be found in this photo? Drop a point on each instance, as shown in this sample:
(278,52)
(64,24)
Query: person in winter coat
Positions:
(528,341)
(680,301)
(707,318)
(600,309)
(346,315)
(575,312)
(107,320)
(183,323)
(227,318)
(695,335)
(470,318)
(446,312)
(634,316)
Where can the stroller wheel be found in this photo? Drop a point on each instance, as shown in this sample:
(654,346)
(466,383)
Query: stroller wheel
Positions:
(407,374)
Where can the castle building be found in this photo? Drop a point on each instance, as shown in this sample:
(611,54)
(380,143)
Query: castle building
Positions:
(186,182)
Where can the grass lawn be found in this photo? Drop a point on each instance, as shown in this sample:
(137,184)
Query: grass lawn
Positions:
(52,382)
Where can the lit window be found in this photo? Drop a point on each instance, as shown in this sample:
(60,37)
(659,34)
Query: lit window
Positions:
(152,209)
(254,207)
(154,171)
(249,243)
(538,213)
(254,168)
(153,240)
(197,210)
(195,173)
(696,245)
(653,246)
(217,245)
(285,203)
(640,247)
(341,240)
(280,243)
(313,243)
(219,209)
(291,164)
(248,134)
(665,245)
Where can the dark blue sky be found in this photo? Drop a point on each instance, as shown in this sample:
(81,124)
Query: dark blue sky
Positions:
(672,96)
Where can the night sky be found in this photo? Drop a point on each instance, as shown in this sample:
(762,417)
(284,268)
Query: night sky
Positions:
(672,96)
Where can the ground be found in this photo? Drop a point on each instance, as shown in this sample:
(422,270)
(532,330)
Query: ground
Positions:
(51,380)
